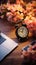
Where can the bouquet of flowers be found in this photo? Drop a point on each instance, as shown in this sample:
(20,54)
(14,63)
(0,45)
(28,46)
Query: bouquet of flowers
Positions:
(18,11)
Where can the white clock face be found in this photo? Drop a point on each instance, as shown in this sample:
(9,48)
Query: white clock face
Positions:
(22,31)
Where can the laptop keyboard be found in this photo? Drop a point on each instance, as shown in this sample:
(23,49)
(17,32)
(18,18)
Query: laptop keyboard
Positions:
(2,40)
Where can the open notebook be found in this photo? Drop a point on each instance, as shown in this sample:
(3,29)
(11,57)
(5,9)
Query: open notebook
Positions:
(6,45)
(33,42)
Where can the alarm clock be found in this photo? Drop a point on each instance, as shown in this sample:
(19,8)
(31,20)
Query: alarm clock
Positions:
(22,32)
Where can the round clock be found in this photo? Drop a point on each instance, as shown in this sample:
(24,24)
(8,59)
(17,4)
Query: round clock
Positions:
(22,33)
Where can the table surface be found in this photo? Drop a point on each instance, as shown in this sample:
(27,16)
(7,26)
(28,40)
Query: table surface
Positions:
(15,57)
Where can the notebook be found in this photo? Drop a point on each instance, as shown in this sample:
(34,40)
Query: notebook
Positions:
(6,45)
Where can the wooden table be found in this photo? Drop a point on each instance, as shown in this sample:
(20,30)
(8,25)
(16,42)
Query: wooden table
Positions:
(14,58)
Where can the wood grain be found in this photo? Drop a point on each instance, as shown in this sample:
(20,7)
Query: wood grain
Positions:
(14,58)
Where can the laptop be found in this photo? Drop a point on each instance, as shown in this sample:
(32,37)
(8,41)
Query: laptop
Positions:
(6,45)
